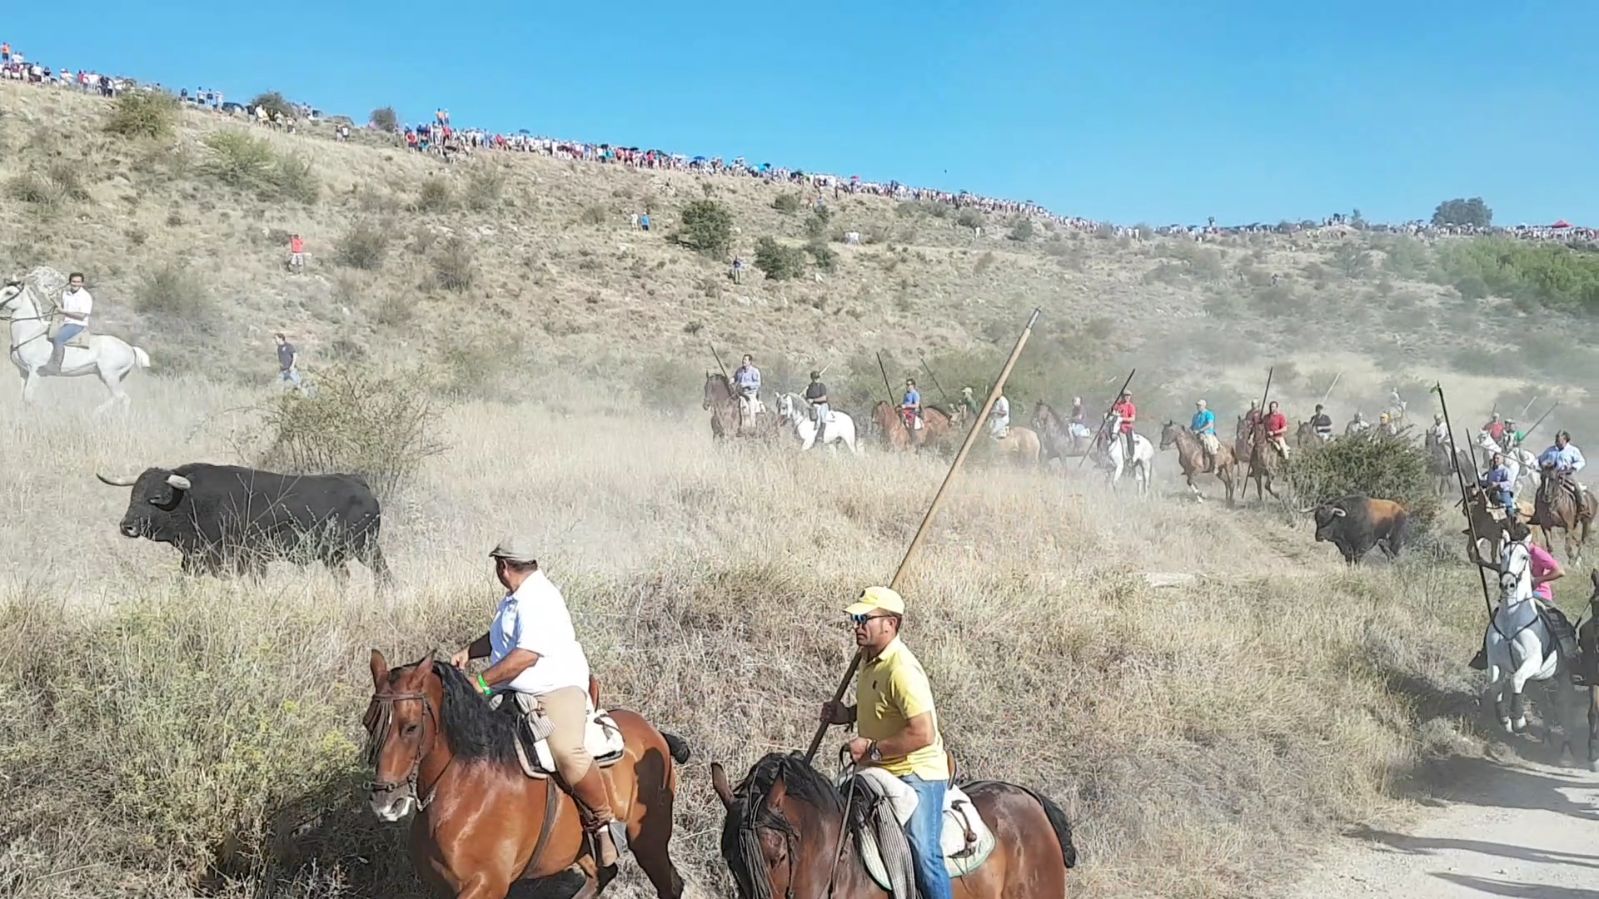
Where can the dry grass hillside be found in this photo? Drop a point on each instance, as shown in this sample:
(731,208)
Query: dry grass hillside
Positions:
(503,267)
(171,737)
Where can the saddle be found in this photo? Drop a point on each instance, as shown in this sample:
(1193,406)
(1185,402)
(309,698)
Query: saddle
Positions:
(966,838)
(79,340)
(602,737)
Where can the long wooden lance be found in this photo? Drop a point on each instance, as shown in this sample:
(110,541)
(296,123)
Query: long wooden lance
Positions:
(1105,419)
(1460,479)
(932,511)
(1528,432)
(897,416)
(929,369)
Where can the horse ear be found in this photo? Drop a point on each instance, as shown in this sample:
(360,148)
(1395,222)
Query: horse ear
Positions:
(719,784)
(425,667)
(380,669)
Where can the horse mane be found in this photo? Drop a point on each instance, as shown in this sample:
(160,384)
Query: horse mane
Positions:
(475,731)
(750,812)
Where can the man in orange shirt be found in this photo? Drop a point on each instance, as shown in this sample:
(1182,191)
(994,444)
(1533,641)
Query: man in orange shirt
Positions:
(1128,413)
(296,253)
(1277,429)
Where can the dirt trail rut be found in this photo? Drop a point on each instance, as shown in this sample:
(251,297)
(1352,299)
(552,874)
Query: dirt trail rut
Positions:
(1496,828)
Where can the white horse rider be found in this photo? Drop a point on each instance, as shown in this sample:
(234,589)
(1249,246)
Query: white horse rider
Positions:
(838,426)
(999,419)
(1519,648)
(109,357)
(1142,463)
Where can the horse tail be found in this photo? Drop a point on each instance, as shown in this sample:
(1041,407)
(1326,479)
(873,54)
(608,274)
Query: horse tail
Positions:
(676,746)
(141,359)
(1062,827)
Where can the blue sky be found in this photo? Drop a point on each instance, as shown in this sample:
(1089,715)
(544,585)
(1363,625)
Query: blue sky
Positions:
(1152,112)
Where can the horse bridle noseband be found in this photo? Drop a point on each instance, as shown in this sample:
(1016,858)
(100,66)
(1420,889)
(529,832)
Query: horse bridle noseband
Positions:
(381,720)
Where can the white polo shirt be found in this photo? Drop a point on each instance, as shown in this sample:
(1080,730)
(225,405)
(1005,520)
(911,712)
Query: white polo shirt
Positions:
(79,303)
(535,618)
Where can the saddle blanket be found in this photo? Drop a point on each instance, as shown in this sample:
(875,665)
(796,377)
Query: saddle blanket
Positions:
(967,839)
(602,737)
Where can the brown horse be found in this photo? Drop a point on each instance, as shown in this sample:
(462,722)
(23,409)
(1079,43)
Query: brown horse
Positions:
(1588,640)
(937,431)
(786,835)
(1020,446)
(1191,456)
(481,824)
(1055,436)
(1556,507)
(1265,466)
(727,419)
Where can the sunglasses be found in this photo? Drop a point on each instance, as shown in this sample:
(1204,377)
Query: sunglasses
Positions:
(860,620)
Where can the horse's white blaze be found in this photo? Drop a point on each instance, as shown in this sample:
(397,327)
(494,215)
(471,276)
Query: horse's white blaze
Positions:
(111,358)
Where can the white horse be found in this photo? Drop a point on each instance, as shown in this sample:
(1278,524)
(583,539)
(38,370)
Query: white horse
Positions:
(1520,649)
(1522,463)
(109,357)
(838,426)
(1142,463)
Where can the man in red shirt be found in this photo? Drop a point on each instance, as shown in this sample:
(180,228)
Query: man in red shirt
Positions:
(1277,429)
(1128,413)
(1495,429)
(296,253)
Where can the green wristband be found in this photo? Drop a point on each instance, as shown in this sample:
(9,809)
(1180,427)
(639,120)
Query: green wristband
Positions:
(484,685)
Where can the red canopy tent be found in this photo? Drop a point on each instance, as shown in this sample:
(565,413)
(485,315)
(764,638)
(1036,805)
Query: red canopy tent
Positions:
(1562,223)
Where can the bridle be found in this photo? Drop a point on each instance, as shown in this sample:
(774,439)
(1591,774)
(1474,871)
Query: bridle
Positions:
(379,721)
(758,815)
(7,316)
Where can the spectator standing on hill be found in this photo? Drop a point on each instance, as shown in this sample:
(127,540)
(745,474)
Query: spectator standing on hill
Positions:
(644,221)
(296,253)
(288,362)
(5,53)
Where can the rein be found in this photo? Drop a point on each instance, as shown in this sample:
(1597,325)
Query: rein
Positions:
(382,719)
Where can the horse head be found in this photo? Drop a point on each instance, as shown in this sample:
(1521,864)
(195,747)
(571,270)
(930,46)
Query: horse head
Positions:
(1042,414)
(403,722)
(716,389)
(1168,434)
(10,294)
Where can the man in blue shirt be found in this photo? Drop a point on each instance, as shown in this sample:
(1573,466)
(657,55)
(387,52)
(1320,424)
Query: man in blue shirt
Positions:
(911,406)
(747,381)
(1500,485)
(1204,426)
(1566,460)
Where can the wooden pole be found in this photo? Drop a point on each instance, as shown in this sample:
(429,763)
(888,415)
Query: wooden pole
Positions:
(932,511)
(1460,479)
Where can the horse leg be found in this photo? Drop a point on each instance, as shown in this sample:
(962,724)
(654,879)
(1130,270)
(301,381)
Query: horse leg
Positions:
(1593,728)
(649,848)
(30,381)
(1495,692)
(484,886)
(1531,661)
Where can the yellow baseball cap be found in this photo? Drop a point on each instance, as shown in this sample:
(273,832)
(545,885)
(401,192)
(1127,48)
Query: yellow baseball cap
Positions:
(877,598)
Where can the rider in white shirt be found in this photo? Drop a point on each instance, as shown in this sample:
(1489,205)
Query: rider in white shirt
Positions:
(76,304)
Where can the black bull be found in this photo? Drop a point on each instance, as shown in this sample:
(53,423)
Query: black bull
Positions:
(223,518)
(1357,523)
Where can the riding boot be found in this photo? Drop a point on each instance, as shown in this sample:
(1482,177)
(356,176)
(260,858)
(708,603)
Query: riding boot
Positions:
(1480,660)
(594,807)
(58,352)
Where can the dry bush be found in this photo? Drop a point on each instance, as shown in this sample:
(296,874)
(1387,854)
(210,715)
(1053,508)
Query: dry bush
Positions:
(434,195)
(174,291)
(385,119)
(485,187)
(245,162)
(382,427)
(364,245)
(454,264)
(594,215)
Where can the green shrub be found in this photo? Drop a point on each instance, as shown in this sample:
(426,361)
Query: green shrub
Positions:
(779,262)
(594,215)
(249,163)
(1022,230)
(1377,466)
(385,119)
(380,427)
(173,291)
(454,264)
(825,257)
(143,113)
(816,225)
(969,218)
(363,245)
(788,204)
(37,189)
(707,226)
(1554,276)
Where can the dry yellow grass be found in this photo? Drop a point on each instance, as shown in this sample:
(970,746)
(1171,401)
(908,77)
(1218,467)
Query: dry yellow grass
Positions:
(170,736)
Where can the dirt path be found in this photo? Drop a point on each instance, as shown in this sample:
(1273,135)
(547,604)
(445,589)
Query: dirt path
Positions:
(1510,828)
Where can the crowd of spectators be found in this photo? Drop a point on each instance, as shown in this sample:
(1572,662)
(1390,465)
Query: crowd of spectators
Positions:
(441,138)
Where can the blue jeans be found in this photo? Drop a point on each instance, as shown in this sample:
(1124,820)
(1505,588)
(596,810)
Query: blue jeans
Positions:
(925,828)
(66,333)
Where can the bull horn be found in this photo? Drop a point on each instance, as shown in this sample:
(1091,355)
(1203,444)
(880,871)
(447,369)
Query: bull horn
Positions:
(178,482)
(1307,510)
(1339,513)
(116,482)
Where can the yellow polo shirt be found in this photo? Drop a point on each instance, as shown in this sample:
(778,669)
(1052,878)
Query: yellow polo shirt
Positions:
(890,691)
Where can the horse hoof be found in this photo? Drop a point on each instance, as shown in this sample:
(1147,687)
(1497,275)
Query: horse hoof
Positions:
(1521,725)
(1593,766)
(1505,723)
